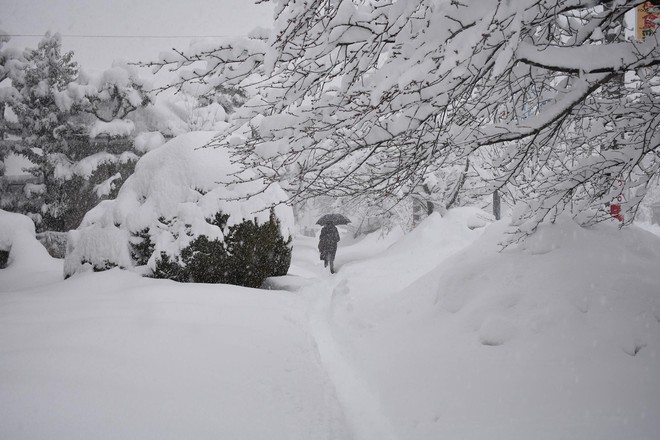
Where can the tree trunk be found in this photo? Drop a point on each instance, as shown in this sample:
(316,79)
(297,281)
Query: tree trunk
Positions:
(430,207)
(453,197)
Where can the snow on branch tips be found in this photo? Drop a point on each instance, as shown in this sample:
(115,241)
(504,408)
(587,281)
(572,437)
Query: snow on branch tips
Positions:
(383,92)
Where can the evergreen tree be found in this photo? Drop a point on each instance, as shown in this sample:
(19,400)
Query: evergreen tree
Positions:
(10,65)
(45,126)
(59,110)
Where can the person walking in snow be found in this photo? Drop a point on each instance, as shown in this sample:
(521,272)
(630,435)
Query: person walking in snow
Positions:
(328,245)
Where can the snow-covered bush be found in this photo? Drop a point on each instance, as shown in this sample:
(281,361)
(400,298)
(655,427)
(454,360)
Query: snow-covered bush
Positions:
(248,254)
(179,212)
(18,244)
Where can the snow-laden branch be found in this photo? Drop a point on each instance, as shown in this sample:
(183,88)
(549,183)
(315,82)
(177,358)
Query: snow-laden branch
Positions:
(618,57)
(499,133)
(364,98)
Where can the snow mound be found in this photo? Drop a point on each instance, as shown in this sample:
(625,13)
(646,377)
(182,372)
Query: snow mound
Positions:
(17,235)
(111,355)
(174,189)
(563,271)
(407,257)
(559,334)
(440,232)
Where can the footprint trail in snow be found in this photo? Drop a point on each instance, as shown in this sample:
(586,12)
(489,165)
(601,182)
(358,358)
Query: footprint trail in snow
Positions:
(361,405)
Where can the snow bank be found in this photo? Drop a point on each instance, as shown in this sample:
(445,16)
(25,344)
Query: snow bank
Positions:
(29,263)
(556,338)
(112,355)
(17,235)
(174,189)
(407,257)
(440,335)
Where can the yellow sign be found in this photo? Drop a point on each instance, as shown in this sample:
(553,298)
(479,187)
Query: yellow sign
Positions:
(648,20)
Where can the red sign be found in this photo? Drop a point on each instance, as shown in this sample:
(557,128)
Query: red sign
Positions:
(648,19)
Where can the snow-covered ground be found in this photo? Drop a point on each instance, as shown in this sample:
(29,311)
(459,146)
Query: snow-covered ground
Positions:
(435,334)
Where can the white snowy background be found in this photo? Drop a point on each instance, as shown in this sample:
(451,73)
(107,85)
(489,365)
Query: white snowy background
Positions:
(434,334)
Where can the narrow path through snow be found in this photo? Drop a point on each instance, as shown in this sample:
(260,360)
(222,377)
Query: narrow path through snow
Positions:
(360,404)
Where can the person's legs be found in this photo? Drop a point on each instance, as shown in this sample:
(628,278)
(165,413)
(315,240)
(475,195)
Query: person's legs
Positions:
(331,256)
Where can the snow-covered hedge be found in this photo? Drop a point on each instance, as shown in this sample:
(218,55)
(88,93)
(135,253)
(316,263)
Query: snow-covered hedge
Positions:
(176,195)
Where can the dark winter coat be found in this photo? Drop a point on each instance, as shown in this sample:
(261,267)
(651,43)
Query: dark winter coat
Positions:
(328,240)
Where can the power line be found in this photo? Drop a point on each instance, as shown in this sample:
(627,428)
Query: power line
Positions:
(119,36)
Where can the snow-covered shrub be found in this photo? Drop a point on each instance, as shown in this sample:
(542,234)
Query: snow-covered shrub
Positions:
(179,212)
(249,253)
(18,242)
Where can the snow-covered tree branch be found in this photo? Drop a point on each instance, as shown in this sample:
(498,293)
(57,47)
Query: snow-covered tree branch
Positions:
(365,98)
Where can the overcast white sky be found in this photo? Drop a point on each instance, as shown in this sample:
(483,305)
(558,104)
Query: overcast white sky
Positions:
(82,23)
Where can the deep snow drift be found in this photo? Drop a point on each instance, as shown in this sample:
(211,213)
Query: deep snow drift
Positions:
(559,338)
(436,334)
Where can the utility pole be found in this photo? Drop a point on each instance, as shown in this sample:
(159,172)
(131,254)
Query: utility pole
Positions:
(496,205)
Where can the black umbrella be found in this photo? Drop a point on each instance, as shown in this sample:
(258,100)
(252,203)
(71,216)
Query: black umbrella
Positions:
(333,219)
